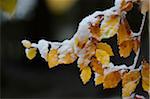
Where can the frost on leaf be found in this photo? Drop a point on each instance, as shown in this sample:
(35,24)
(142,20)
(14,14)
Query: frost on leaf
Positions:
(129,82)
(85,74)
(26,43)
(67,59)
(85,54)
(52,58)
(109,26)
(112,79)
(95,29)
(145,76)
(31,53)
(99,79)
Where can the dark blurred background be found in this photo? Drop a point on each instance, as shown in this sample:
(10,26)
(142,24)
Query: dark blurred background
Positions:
(21,78)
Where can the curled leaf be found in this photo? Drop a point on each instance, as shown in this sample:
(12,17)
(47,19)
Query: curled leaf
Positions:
(52,58)
(31,53)
(112,79)
(127,6)
(85,74)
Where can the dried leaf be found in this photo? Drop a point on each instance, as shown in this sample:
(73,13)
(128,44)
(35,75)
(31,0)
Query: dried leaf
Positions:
(129,88)
(144,6)
(130,76)
(85,54)
(52,58)
(31,53)
(124,31)
(125,48)
(145,76)
(97,66)
(105,47)
(112,79)
(102,56)
(136,45)
(95,29)
(127,6)
(85,74)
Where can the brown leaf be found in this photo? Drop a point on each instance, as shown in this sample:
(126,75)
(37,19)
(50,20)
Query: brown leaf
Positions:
(112,79)
(136,45)
(127,6)
(125,48)
(130,76)
(124,31)
(96,66)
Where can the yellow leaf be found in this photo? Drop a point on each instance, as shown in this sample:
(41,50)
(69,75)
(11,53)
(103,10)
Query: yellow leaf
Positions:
(105,47)
(52,58)
(102,56)
(31,53)
(125,48)
(96,66)
(109,26)
(145,76)
(99,80)
(129,88)
(112,79)
(85,74)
